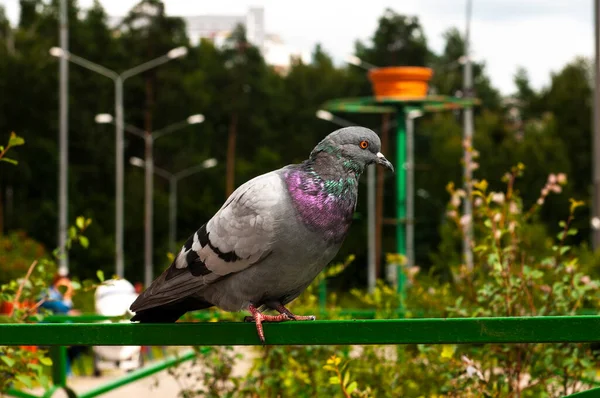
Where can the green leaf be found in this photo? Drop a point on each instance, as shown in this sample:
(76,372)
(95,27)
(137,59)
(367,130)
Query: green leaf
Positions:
(346,378)
(536,274)
(334,380)
(572,231)
(8,361)
(9,160)
(35,366)
(88,221)
(350,389)
(84,241)
(15,140)
(26,380)
(44,380)
(562,224)
(100,275)
(80,222)
(72,232)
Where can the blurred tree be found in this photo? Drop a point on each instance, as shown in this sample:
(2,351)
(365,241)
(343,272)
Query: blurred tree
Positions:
(398,41)
(448,72)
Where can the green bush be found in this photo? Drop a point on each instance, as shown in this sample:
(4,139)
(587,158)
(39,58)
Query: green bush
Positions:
(17,252)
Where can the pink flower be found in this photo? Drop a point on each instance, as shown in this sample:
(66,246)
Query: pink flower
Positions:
(498,197)
(561,178)
(513,208)
(497,217)
(478,201)
(540,201)
(545,288)
(545,191)
(452,214)
(570,269)
(465,220)
(552,179)
(586,280)
(455,201)
(556,188)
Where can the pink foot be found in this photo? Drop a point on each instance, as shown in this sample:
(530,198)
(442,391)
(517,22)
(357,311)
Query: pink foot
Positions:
(284,311)
(259,318)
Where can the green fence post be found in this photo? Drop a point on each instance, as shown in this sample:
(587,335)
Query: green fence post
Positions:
(401,202)
(58,354)
(323,296)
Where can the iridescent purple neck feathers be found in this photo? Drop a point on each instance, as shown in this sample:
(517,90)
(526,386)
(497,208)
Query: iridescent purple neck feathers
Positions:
(324,192)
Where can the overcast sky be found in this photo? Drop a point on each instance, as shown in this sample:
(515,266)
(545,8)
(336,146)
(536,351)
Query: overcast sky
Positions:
(540,35)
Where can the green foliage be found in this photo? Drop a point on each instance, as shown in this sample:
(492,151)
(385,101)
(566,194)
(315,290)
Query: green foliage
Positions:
(21,300)
(27,272)
(17,252)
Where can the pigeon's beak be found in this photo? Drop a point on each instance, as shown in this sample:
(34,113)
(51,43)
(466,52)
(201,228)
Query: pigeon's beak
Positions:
(384,162)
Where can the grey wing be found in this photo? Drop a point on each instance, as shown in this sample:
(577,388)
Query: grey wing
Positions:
(238,236)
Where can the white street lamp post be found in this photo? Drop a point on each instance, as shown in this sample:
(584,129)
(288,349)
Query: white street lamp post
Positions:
(173,179)
(149,138)
(118,79)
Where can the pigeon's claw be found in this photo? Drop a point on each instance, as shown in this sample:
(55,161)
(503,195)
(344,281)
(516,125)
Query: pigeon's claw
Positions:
(259,318)
(284,311)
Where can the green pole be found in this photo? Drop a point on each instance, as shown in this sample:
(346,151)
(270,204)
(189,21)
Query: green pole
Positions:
(401,201)
(59,365)
(322,296)
(141,373)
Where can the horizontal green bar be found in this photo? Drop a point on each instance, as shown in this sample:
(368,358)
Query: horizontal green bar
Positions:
(19,394)
(593,393)
(137,375)
(208,315)
(396,331)
(432,103)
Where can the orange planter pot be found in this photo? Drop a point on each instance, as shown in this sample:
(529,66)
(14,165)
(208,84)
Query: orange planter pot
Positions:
(400,81)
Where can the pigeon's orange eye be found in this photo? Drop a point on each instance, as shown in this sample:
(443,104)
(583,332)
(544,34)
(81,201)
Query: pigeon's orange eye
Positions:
(364,144)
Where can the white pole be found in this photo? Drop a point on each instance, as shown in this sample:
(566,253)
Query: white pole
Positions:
(119,181)
(149,171)
(63,140)
(371,228)
(410,192)
(596,132)
(468,137)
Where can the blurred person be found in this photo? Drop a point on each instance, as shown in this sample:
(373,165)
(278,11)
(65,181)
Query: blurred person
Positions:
(62,304)
(57,302)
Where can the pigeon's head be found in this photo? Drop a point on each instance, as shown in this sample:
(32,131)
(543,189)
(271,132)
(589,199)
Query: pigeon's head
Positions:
(359,145)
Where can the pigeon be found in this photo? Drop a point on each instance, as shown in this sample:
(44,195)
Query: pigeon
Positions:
(270,239)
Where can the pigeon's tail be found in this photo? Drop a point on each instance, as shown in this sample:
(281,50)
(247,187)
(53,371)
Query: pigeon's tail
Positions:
(169,313)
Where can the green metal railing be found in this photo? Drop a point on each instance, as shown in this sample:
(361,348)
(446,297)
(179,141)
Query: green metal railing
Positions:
(551,329)
(58,355)
(511,330)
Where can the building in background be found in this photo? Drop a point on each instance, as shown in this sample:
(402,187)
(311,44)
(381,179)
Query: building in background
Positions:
(217,28)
